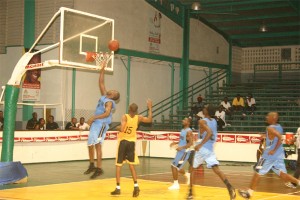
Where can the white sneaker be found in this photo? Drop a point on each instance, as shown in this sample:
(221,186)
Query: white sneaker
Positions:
(174,187)
(187,177)
(290,185)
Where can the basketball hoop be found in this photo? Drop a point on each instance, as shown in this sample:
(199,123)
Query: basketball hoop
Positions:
(100,57)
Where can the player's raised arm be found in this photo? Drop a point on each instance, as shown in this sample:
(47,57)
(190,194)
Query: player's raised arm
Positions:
(203,126)
(275,133)
(101,79)
(147,119)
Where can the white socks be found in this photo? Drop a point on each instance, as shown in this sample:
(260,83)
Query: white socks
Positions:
(250,192)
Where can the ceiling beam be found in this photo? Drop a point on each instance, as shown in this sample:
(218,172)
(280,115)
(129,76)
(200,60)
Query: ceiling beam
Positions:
(210,25)
(247,8)
(269,43)
(266,35)
(171,15)
(255,17)
(247,27)
(208,4)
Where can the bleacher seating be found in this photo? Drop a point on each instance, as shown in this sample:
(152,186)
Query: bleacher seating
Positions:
(283,98)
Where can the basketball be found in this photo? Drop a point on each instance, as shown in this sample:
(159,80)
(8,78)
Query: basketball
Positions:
(113,45)
(90,56)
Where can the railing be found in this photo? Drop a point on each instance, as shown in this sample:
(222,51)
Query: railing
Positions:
(276,71)
(174,100)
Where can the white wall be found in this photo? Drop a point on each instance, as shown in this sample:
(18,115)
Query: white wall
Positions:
(206,44)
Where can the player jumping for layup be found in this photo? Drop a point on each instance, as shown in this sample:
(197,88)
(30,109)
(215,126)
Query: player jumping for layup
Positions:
(126,147)
(272,158)
(183,153)
(99,124)
(204,150)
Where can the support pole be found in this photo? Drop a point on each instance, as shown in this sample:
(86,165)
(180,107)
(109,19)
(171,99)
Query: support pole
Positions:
(10,111)
(73,91)
(209,81)
(229,70)
(172,88)
(29,36)
(128,84)
(184,67)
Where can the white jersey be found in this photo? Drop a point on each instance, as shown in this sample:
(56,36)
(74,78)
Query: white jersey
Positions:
(226,105)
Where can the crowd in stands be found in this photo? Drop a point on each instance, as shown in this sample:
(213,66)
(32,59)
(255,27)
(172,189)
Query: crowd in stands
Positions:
(224,110)
(40,124)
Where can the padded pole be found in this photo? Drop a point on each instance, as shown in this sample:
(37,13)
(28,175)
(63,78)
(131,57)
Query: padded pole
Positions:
(10,111)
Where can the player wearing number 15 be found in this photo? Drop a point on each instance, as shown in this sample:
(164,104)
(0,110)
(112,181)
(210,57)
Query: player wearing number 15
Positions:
(126,146)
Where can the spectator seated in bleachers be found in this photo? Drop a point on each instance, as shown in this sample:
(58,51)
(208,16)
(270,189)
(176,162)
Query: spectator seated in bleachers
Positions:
(251,104)
(226,106)
(238,103)
(51,124)
(72,125)
(32,122)
(220,118)
(196,109)
(193,115)
(1,120)
(200,104)
(82,126)
(40,125)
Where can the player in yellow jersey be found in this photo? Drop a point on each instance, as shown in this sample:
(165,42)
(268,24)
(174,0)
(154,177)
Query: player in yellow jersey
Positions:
(126,146)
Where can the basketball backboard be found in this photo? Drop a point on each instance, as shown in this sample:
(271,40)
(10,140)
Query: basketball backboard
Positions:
(82,32)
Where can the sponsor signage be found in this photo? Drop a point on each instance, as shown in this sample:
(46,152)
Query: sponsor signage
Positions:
(255,139)
(242,139)
(228,138)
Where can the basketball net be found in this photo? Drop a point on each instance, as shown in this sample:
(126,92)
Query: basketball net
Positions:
(102,58)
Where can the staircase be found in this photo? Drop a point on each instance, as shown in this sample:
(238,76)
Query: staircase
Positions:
(168,108)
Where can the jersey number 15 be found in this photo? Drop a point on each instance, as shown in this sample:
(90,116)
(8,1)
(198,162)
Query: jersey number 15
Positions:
(128,129)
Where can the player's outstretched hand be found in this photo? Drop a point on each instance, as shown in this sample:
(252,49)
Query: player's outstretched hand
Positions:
(103,66)
(149,103)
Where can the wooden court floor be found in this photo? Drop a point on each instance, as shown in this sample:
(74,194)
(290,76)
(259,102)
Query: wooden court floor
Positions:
(51,181)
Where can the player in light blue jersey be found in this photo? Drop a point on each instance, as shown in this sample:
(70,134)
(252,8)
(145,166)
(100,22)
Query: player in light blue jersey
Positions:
(204,150)
(183,153)
(99,125)
(272,158)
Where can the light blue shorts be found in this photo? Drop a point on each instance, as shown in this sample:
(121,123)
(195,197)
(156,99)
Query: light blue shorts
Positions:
(181,158)
(263,166)
(97,133)
(205,155)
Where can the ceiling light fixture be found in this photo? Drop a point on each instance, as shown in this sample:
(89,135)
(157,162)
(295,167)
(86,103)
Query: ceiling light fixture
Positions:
(196,6)
(263,28)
